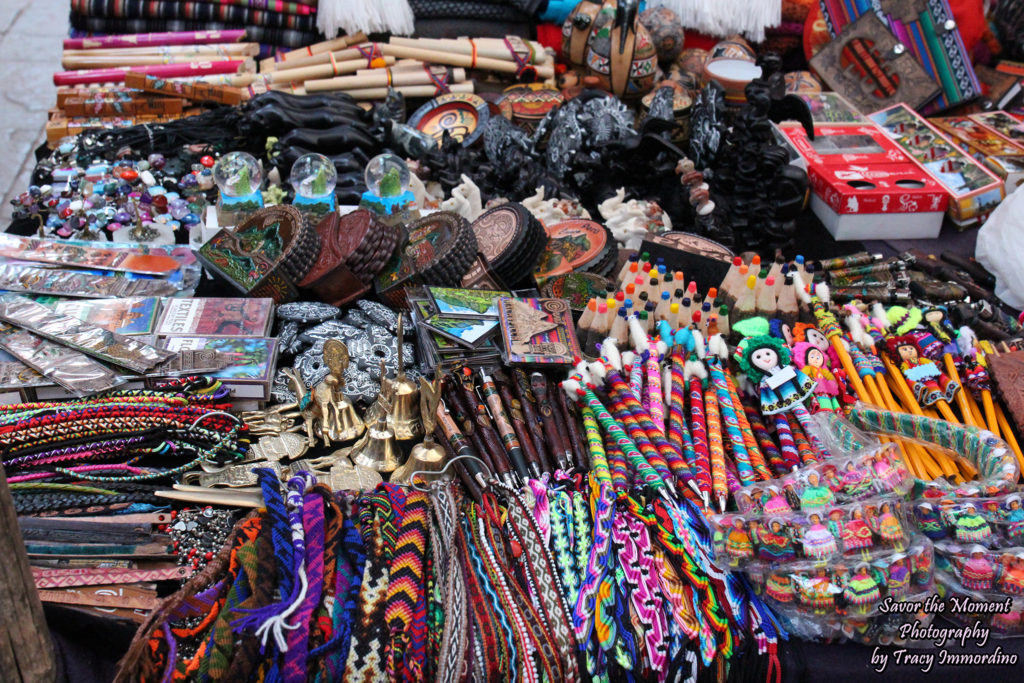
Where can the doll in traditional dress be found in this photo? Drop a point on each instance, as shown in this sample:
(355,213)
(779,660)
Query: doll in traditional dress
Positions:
(862,592)
(886,470)
(888,527)
(1013,514)
(840,578)
(856,480)
(811,361)
(818,541)
(815,495)
(921,564)
(765,360)
(856,533)
(929,522)
(737,540)
(971,527)
(898,581)
(927,381)
(775,543)
(780,587)
(774,502)
(1011,574)
(977,573)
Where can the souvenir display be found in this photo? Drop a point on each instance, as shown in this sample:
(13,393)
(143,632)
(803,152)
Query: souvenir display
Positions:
(580,348)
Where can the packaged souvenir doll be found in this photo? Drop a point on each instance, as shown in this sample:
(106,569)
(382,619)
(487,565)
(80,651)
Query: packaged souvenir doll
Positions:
(856,479)
(811,362)
(737,540)
(928,382)
(1013,514)
(887,525)
(780,587)
(815,495)
(886,471)
(971,527)
(818,592)
(977,573)
(898,581)
(862,592)
(775,543)
(856,534)
(929,522)
(818,541)
(774,502)
(1011,573)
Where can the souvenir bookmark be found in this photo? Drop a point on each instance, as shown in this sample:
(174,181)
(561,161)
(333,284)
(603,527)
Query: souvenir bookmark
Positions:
(114,348)
(74,371)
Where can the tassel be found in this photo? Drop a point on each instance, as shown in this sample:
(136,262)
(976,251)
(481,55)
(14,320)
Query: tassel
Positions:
(726,17)
(368,16)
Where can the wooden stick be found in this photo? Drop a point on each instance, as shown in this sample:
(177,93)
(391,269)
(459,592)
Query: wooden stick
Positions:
(975,410)
(491,48)
(947,412)
(381,78)
(467,61)
(321,58)
(1009,436)
(324,46)
(329,70)
(961,396)
(365,94)
(990,412)
(26,653)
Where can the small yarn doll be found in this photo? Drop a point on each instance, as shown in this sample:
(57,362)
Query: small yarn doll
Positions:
(780,587)
(1011,573)
(898,581)
(921,563)
(1013,515)
(856,534)
(888,527)
(971,527)
(886,471)
(862,592)
(815,495)
(737,540)
(774,501)
(817,592)
(775,543)
(811,362)
(856,480)
(818,541)
(929,522)
(765,360)
(927,381)
(977,573)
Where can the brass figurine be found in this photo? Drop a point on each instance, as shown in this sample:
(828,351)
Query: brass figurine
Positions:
(341,422)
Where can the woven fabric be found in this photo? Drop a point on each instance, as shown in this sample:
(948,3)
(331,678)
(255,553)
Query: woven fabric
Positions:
(192,11)
(405,607)
(480,11)
(260,34)
(454,642)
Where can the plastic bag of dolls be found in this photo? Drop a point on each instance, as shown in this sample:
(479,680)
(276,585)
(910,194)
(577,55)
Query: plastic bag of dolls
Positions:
(816,534)
(996,522)
(868,585)
(977,568)
(1002,614)
(865,474)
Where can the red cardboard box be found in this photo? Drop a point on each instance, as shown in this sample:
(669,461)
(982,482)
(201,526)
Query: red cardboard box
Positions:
(865,187)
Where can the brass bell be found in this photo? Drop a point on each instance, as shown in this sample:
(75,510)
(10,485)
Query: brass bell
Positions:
(427,457)
(340,421)
(378,449)
(404,418)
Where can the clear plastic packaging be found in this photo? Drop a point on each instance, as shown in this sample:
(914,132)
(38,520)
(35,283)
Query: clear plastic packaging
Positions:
(974,567)
(127,352)
(860,587)
(817,534)
(74,371)
(996,522)
(836,481)
(1001,613)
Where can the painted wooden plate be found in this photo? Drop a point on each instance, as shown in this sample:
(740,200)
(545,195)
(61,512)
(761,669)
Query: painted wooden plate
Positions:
(464,116)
